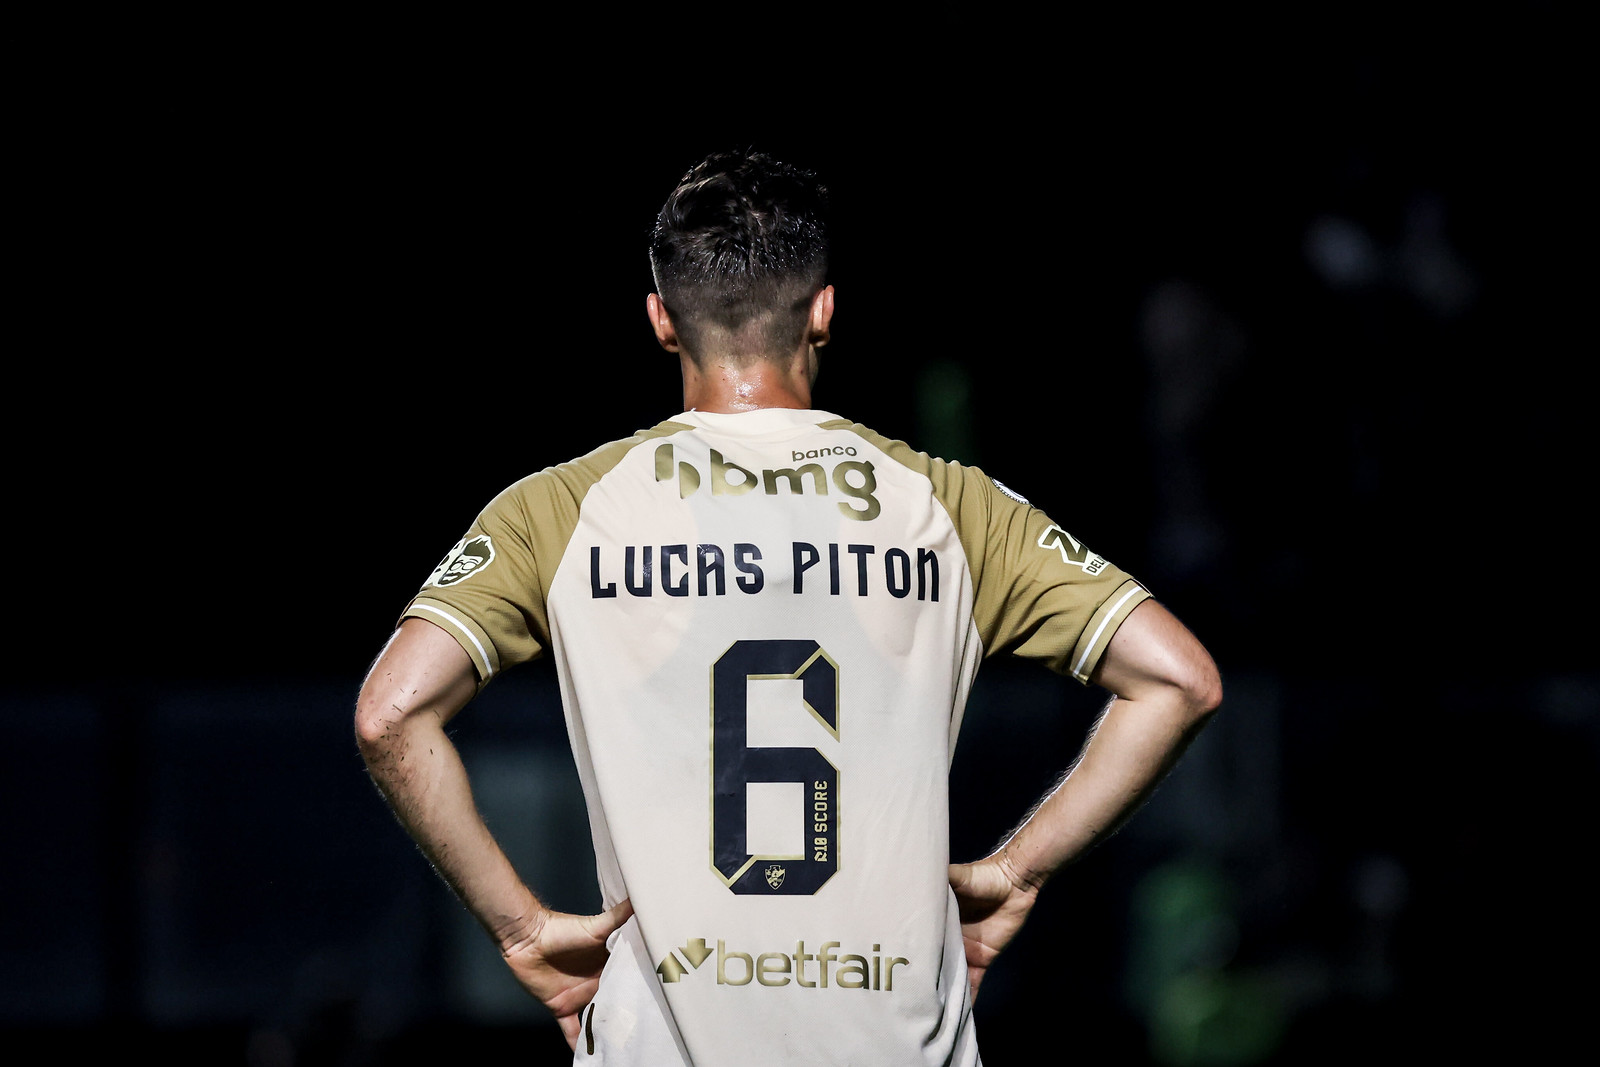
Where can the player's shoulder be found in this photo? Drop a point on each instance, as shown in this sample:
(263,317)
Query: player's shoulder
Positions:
(895,449)
(947,475)
(571,479)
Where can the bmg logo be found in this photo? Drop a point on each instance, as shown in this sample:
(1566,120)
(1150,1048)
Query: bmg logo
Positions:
(852,478)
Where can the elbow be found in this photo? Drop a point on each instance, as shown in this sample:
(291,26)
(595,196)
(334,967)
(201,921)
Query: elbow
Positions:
(377,722)
(1204,693)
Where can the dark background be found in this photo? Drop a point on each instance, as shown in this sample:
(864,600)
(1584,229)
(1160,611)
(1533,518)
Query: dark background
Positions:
(1286,318)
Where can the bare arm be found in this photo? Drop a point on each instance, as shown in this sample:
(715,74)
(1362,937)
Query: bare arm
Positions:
(419,682)
(1164,687)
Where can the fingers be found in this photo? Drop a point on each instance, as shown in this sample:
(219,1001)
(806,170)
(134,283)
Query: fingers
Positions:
(960,876)
(609,921)
(979,883)
(571,1026)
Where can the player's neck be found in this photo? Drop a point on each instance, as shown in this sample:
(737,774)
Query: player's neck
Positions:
(726,387)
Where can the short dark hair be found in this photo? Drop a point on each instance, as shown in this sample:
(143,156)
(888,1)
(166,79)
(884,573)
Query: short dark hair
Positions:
(741,246)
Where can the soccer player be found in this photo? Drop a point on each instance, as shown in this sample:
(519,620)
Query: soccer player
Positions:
(765,621)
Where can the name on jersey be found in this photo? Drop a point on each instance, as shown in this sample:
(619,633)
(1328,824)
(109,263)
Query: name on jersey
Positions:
(852,478)
(807,970)
(715,570)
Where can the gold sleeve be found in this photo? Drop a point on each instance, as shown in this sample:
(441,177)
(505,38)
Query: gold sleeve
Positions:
(486,592)
(1041,593)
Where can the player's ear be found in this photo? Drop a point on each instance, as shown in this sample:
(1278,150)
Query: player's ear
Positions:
(821,316)
(661,322)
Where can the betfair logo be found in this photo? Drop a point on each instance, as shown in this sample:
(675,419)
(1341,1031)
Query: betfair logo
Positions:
(847,971)
(1071,550)
(852,478)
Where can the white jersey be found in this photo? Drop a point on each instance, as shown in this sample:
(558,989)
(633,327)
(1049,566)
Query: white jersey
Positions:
(766,626)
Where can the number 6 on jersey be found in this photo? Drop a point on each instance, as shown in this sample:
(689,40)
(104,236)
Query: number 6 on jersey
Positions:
(735,765)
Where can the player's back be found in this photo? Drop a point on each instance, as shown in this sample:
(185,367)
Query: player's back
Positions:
(763,628)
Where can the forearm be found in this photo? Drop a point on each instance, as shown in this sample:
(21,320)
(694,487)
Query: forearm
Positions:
(1131,749)
(419,770)
(418,683)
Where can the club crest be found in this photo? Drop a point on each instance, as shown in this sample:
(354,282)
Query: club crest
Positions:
(1008,491)
(775,875)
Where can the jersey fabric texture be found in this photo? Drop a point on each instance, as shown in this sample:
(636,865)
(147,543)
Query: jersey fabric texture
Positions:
(765,627)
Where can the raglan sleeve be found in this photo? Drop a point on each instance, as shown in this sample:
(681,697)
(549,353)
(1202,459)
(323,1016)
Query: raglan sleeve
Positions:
(486,591)
(1041,593)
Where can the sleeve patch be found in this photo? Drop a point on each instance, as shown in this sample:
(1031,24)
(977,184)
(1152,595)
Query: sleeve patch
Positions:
(1010,492)
(1072,551)
(469,556)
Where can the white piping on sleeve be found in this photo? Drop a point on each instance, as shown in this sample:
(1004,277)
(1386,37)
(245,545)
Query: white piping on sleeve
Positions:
(1077,669)
(488,664)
